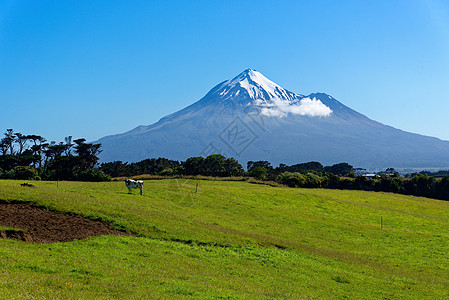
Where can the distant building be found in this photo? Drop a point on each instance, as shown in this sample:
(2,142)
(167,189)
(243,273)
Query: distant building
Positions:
(360,171)
(369,176)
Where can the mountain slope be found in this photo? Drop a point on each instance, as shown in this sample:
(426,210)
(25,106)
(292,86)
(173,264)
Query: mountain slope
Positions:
(251,118)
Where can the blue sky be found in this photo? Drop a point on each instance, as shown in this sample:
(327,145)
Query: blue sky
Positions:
(95,68)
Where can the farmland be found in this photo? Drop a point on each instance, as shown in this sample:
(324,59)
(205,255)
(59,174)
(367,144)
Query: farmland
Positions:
(231,239)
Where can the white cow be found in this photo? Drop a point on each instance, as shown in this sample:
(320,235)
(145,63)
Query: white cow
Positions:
(134,184)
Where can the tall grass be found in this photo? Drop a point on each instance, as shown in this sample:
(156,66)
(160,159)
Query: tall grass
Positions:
(231,239)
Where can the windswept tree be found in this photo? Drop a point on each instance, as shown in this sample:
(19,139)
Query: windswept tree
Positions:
(3,147)
(9,139)
(87,154)
(21,153)
(69,145)
(38,148)
(21,140)
(57,149)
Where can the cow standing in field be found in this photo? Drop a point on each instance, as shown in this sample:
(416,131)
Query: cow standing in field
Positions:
(130,184)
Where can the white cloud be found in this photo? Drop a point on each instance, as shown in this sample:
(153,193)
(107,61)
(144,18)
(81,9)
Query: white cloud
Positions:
(305,107)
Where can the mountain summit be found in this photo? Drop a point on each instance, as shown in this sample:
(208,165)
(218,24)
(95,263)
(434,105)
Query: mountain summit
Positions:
(253,85)
(251,88)
(250,117)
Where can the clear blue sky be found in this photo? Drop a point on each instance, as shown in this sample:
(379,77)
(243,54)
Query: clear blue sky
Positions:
(95,68)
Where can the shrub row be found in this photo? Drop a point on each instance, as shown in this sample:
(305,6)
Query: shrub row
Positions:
(417,185)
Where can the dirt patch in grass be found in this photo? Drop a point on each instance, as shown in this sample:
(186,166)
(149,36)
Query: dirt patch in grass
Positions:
(45,226)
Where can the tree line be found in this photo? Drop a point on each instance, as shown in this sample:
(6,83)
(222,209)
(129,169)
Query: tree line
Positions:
(32,157)
(438,174)
(307,175)
(414,184)
(215,165)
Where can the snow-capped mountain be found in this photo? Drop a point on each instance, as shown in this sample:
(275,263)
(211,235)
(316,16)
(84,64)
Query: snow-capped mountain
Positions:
(250,117)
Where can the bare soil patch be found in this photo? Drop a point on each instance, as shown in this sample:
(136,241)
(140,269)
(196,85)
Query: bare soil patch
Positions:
(45,226)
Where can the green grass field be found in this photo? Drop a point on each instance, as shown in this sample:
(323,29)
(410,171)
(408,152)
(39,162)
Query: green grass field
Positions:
(232,240)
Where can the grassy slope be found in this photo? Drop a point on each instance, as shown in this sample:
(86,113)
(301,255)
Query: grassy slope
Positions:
(233,240)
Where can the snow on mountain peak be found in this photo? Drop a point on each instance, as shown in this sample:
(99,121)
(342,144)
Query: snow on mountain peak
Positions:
(258,86)
(252,88)
(255,85)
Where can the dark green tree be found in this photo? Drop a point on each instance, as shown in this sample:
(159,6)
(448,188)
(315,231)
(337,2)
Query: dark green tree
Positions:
(194,166)
(233,167)
(214,165)
(87,154)
(8,140)
(341,169)
(261,163)
(258,172)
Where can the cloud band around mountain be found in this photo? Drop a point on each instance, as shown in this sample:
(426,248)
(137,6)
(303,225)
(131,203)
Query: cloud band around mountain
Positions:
(306,107)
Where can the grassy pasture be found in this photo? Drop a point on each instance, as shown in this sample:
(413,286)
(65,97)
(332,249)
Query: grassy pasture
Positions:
(232,240)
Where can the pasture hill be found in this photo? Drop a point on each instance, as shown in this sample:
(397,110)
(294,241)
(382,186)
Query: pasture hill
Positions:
(229,240)
(252,118)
